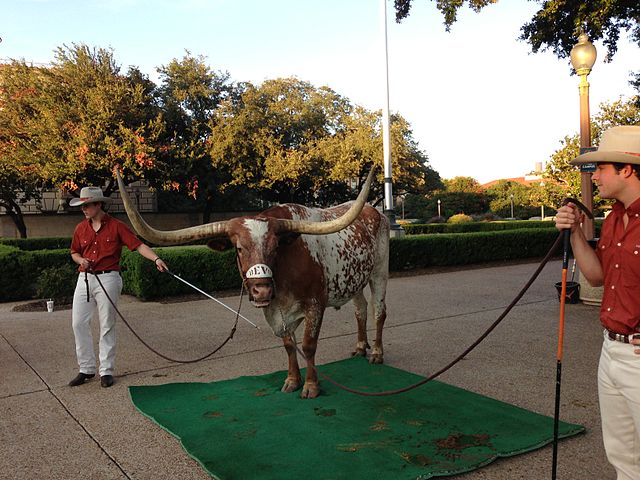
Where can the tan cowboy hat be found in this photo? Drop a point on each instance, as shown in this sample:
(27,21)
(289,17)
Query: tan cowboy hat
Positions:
(617,145)
(89,195)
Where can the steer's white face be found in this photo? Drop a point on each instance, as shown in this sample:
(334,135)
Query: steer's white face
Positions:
(257,245)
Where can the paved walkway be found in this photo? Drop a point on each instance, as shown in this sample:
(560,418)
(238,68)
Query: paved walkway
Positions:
(49,430)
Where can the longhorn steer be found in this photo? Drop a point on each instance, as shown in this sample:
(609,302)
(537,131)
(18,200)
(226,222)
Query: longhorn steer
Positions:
(296,262)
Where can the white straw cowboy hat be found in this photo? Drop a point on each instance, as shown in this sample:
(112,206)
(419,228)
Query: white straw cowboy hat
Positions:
(617,145)
(89,195)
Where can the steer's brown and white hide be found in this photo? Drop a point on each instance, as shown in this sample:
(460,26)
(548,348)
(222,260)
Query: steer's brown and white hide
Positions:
(296,262)
(311,273)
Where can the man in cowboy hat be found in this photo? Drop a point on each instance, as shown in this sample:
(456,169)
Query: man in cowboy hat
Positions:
(615,264)
(96,247)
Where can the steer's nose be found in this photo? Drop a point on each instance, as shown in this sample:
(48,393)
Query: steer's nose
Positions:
(262,292)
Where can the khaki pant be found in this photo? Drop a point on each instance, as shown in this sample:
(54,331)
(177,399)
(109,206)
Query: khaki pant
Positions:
(81,321)
(619,394)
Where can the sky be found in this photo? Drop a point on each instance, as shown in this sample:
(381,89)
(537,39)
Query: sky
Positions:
(480,104)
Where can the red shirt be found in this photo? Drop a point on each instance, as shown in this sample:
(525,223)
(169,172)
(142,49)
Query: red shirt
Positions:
(619,252)
(103,247)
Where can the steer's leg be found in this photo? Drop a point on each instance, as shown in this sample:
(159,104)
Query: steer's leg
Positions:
(313,321)
(360,302)
(378,286)
(294,380)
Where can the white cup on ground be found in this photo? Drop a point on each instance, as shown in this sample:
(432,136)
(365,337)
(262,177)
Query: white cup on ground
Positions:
(49,306)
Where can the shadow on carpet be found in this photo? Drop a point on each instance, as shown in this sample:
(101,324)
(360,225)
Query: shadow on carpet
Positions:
(246,428)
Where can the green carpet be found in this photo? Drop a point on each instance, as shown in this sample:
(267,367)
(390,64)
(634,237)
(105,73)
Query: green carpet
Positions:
(246,428)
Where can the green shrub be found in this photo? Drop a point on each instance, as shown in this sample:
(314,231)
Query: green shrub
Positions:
(38,243)
(21,269)
(460,218)
(57,282)
(26,273)
(421,251)
(199,265)
(422,228)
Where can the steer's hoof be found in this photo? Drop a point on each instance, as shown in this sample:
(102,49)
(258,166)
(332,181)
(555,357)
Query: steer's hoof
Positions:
(376,358)
(310,390)
(359,352)
(291,385)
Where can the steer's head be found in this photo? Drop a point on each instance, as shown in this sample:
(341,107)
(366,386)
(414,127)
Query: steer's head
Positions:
(256,239)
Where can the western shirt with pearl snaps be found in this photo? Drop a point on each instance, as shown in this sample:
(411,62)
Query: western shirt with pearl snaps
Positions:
(619,252)
(103,247)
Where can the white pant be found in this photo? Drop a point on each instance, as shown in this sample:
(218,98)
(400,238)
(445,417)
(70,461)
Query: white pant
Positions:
(81,321)
(619,394)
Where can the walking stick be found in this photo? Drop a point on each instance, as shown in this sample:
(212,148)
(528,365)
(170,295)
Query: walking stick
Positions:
(563,297)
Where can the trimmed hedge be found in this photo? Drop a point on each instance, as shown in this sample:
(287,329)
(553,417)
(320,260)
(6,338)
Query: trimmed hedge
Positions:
(210,270)
(21,269)
(420,251)
(39,243)
(428,228)
(198,265)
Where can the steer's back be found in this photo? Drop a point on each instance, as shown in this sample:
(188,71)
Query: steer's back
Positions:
(351,256)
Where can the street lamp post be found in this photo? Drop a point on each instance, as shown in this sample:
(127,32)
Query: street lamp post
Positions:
(583,56)
(439,208)
(511,196)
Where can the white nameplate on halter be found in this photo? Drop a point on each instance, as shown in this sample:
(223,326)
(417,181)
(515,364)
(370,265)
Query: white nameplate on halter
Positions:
(259,270)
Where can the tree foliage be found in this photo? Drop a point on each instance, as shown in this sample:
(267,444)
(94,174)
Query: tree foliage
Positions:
(448,8)
(197,134)
(463,184)
(189,94)
(563,179)
(294,142)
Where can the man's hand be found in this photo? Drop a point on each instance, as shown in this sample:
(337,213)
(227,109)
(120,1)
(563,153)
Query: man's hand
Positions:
(160,265)
(569,216)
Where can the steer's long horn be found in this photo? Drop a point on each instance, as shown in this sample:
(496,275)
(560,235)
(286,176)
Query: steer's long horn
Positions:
(159,237)
(331,226)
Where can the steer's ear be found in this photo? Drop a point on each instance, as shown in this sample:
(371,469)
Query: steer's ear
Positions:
(287,238)
(219,244)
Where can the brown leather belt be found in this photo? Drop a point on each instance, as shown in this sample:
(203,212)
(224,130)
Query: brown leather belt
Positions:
(619,337)
(100,272)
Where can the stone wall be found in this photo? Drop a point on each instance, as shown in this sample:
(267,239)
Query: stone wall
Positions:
(54,201)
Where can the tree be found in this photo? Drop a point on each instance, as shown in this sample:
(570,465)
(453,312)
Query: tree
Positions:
(555,25)
(500,204)
(352,149)
(83,118)
(20,173)
(463,184)
(293,142)
(189,95)
(449,8)
(95,118)
(562,179)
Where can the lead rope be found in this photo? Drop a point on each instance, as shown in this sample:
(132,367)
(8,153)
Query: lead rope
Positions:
(233,329)
(460,357)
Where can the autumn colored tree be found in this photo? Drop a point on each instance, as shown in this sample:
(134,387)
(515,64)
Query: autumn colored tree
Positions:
(20,172)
